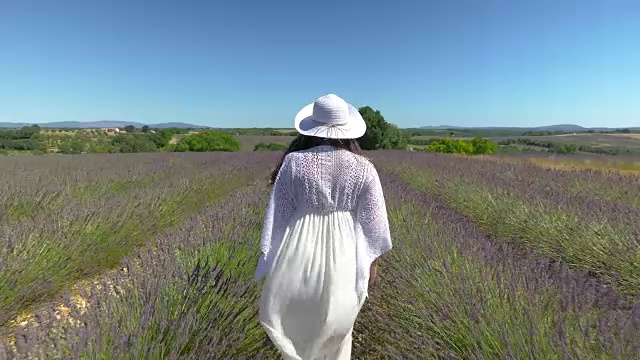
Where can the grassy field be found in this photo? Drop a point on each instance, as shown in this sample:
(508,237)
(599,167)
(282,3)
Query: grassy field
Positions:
(152,256)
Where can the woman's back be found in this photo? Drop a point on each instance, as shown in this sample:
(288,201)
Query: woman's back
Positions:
(325,179)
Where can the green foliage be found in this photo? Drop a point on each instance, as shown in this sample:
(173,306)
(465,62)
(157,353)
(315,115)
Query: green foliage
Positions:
(22,144)
(162,137)
(30,139)
(600,150)
(208,141)
(421,142)
(72,145)
(101,145)
(477,146)
(450,146)
(26,132)
(270,147)
(483,146)
(24,139)
(380,134)
(568,149)
(133,143)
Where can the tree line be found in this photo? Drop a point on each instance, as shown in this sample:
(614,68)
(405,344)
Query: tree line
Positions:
(25,138)
(35,140)
(380,134)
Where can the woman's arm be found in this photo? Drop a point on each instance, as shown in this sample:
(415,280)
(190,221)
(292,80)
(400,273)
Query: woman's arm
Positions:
(279,210)
(372,216)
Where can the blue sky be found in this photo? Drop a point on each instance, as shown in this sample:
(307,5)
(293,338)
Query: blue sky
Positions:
(255,63)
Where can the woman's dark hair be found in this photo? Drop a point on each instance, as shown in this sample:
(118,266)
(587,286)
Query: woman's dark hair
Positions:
(304,142)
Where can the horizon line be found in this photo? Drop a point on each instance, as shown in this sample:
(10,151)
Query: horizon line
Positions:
(425,127)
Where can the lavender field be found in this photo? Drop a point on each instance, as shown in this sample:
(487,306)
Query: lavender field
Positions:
(152,256)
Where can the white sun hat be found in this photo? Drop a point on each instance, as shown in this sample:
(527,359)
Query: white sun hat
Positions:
(330,117)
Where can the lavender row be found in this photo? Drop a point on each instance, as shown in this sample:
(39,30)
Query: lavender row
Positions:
(43,252)
(580,291)
(607,244)
(460,293)
(591,194)
(41,177)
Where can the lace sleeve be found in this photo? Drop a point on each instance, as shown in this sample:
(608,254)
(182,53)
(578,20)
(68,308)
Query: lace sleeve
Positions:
(279,210)
(372,217)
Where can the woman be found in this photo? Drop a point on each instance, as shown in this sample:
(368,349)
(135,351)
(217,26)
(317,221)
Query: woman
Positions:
(325,227)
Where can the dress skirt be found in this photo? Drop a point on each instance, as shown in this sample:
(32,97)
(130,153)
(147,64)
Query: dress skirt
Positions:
(309,302)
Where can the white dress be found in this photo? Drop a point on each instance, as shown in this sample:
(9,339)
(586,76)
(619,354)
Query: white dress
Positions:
(325,224)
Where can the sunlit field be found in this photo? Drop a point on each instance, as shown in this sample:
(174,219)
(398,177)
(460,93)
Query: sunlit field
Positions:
(152,256)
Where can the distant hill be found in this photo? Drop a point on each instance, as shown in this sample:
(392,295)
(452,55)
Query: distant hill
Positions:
(101,124)
(560,127)
(180,125)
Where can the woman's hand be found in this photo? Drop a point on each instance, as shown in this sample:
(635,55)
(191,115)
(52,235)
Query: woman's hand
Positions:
(373,272)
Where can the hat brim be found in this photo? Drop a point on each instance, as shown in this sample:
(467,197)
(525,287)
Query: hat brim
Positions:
(354,128)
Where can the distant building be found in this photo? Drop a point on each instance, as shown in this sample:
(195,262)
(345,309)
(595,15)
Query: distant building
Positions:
(110,130)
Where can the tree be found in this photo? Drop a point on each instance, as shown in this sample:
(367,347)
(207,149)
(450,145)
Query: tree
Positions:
(380,134)
(101,145)
(71,145)
(145,129)
(483,146)
(129,128)
(477,146)
(133,143)
(29,131)
(208,141)
(568,149)
(450,146)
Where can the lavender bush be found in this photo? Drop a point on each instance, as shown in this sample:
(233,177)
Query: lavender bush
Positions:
(67,234)
(529,206)
(189,294)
